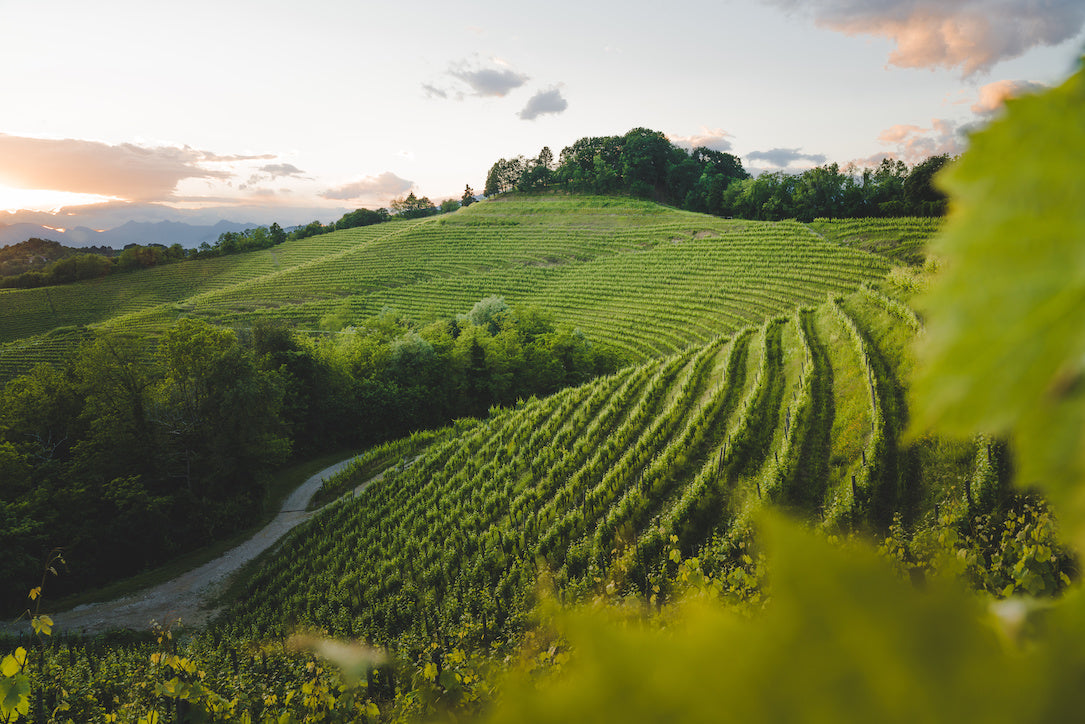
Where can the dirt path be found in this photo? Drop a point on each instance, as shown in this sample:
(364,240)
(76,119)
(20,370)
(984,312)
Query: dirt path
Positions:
(187,598)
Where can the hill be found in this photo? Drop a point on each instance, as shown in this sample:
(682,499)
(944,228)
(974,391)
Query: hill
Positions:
(465,559)
(644,278)
(768,367)
(802,411)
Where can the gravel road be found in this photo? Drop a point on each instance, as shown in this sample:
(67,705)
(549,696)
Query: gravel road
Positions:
(187,598)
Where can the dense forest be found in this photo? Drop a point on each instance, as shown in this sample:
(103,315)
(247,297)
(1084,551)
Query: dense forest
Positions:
(645,164)
(170,446)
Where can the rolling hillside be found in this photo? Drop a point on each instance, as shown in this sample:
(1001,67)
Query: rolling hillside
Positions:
(802,411)
(644,278)
(768,369)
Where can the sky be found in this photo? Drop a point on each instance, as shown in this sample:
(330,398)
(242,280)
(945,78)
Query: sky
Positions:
(288,111)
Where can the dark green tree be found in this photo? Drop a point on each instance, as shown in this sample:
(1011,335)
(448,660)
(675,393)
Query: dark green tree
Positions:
(921,196)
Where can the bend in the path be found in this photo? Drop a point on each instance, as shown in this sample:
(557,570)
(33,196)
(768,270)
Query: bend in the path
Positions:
(186,599)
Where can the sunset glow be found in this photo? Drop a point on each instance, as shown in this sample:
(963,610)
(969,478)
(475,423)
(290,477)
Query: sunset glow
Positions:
(216,136)
(12,200)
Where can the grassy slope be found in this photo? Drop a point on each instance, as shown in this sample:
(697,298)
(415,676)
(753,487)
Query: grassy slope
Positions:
(644,278)
(539,486)
(902,240)
(647,279)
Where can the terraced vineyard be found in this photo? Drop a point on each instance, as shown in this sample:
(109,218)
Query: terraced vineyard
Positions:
(643,278)
(802,411)
(900,239)
(768,371)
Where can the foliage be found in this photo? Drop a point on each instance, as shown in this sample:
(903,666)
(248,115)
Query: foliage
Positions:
(413,207)
(118,444)
(840,640)
(1005,350)
(645,164)
(72,265)
(579,497)
(173,447)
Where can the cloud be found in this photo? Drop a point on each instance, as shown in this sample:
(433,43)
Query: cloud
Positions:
(993,95)
(125,171)
(371,189)
(433,91)
(970,34)
(280,170)
(914,144)
(714,139)
(781,157)
(544,102)
(495,79)
(487,82)
(900,132)
(270,172)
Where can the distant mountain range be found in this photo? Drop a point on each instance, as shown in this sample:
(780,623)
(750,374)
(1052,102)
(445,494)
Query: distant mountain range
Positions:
(132,232)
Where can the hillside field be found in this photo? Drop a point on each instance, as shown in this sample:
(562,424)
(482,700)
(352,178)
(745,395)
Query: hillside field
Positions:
(645,279)
(767,366)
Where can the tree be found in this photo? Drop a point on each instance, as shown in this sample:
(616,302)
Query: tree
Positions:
(468,197)
(220,415)
(644,158)
(682,178)
(276,233)
(545,158)
(413,207)
(717,162)
(922,197)
(361,217)
(491,313)
(819,193)
(493,180)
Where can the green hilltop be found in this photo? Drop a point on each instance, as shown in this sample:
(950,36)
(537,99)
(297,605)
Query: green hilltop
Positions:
(644,278)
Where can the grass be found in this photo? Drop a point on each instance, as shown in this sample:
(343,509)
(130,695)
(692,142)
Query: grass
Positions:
(645,279)
(903,240)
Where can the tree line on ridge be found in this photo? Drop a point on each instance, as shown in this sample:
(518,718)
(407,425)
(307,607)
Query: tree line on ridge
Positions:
(645,164)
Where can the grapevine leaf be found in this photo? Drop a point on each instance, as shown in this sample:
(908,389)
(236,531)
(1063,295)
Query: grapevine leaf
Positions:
(42,625)
(1005,349)
(10,667)
(14,697)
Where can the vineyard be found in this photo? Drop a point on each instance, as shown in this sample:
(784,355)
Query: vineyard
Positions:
(645,279)
(769,364)
(803,411)
(901,239)
(614,550)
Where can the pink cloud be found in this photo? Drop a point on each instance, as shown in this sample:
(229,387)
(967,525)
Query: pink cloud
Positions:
(993,95)
(914,144)
(714,139)
(126,171)
(970,34)
(371,189)
(899,132)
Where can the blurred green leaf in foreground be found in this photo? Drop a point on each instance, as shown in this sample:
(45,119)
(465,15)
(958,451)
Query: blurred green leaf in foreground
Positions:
(1005,349)
(840,638)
